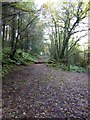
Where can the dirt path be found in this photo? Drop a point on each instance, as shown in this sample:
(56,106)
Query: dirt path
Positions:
(43,92)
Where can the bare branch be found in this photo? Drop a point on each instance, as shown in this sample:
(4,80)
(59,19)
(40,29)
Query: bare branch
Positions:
(78,31)
(61,18)
(29,24)
(76,42)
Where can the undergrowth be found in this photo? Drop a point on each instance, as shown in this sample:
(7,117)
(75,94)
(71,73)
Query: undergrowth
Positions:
(20,58)
(71,68)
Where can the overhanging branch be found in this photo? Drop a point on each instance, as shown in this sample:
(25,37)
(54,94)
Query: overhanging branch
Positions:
(29,24)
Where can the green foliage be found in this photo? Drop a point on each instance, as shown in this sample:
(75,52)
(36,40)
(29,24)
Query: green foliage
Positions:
(71,68)
(5,61)
(77,69)
(5,69)
(63,23)
(25,6)
(58,65)
(27,57)
(21,58)
(5,56)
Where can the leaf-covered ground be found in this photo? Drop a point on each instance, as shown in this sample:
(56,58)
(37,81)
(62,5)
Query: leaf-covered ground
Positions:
(43,92)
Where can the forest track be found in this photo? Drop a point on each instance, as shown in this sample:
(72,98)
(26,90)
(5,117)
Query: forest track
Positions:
(39,91)
(43,60)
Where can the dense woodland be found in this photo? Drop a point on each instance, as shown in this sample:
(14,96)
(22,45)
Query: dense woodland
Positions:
(24,38)
(44,65)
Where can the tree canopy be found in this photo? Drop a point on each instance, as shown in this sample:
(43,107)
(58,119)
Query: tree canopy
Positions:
(49,30)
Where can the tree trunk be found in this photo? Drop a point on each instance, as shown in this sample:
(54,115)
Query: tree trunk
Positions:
(13,36)
(3,37)
(56,43)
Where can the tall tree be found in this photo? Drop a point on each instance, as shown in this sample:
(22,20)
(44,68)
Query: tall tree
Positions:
(20,18)
(64,23)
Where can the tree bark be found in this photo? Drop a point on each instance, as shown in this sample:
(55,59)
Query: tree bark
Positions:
(3,37)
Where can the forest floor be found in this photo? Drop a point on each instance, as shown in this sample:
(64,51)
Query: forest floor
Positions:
(40,91)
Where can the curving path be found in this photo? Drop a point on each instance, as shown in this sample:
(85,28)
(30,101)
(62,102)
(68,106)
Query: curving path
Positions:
(43,92)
